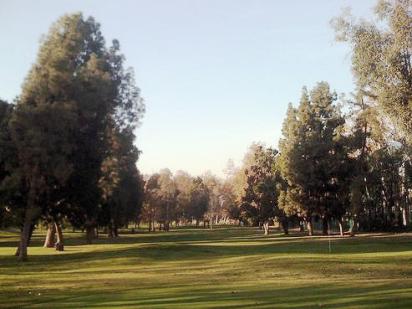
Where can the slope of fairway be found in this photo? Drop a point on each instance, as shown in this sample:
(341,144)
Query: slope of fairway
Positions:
(224,267)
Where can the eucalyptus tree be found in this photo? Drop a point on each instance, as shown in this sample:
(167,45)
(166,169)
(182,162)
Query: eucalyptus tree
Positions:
(161,200)
(381,64)
(199,200)
(168,193)
(381,58)
(367,134)
(229,209)
(215,211)
(183,183)
(151,200)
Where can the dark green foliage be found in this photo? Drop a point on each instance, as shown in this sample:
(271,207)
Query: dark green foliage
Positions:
(314,158)
(77,110)
(260,200)
(12,188)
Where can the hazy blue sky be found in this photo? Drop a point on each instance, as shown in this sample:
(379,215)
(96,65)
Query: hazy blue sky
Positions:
(216,75)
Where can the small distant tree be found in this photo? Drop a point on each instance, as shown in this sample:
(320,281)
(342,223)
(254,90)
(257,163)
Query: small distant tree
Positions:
(199,200)
(215,210)
(229,208)
(151,200)
(260,200)
(183,183)
(167,198)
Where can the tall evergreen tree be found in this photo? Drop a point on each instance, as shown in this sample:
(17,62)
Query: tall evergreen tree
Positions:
(309,155)
(72,96)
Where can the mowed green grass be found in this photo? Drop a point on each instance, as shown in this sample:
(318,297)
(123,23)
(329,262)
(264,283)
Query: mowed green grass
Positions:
(223,267)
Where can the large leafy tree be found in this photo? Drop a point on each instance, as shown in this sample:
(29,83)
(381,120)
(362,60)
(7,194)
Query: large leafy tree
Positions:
(381,64)
(381,58)
(45,118)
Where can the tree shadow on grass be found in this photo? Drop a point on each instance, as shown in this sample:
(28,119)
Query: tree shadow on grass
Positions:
(197,253)
(201,295)
(186,250)
(187,234)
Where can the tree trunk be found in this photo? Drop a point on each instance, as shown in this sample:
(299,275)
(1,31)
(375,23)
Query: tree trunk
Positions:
(340,227)
(285,225)
(266,227)
(405,218)
(301,226)
(89,234)
(325,226)
(17,253)
(354,228)
(59,233)
(50,236)
(309,225)
(110,232)
(25,235)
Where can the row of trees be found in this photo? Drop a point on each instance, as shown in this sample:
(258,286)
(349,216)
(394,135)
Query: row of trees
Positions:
(356,171)
(354,167)
(67,143)
(184,199)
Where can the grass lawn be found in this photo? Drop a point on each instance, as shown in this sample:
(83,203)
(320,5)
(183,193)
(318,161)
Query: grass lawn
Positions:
(223,267)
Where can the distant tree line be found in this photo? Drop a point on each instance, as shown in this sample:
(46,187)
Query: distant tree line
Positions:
(182,199)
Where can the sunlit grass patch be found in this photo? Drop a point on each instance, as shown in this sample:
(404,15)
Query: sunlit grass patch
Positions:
(224,267)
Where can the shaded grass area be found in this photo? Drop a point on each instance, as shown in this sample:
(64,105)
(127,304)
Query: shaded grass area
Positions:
(196,268)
